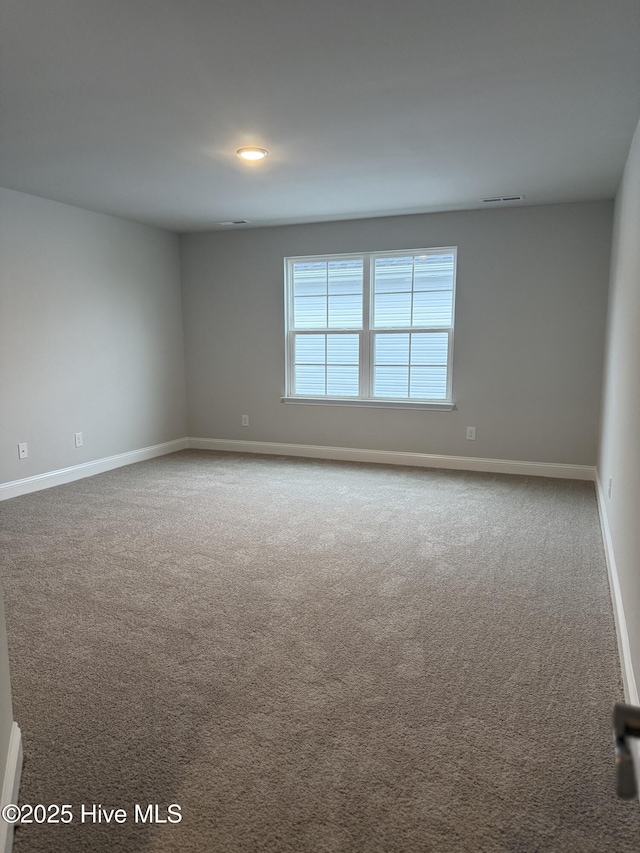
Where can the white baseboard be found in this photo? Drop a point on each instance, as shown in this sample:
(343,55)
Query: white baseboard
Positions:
(11,785)
(87,469)
(15,488)
(394,457)
(624,648)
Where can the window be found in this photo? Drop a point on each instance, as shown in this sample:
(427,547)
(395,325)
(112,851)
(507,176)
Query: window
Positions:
(371,328)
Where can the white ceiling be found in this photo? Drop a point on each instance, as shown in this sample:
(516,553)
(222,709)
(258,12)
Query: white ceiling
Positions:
(368,107)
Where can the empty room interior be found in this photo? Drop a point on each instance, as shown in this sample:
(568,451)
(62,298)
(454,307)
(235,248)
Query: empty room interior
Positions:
(319,419)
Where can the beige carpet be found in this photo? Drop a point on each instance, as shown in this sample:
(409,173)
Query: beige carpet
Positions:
(315,656)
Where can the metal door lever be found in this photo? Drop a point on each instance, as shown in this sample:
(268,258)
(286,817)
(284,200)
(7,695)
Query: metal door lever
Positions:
(626,724)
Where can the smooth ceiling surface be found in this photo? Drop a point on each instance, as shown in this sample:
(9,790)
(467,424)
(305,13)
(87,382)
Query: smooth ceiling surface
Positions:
(368,107)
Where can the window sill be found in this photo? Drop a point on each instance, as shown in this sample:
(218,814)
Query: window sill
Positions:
(443,406)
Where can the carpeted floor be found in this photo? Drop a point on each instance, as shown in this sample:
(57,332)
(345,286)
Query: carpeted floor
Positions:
(315,656)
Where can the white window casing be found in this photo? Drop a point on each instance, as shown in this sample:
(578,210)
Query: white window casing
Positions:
(372,329)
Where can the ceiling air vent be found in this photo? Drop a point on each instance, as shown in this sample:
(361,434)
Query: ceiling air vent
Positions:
(497,199)
(235,222)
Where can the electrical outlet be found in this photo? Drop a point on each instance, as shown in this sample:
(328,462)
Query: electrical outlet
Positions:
(79,440)
(245,420)
(23,450)
(471,433)
(610,484)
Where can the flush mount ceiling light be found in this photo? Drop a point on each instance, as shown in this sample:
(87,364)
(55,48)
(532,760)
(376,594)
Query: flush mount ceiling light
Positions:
(252,153)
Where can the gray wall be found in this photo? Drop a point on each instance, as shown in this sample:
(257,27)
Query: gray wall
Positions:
(531,306)
(620,447)
(90,335)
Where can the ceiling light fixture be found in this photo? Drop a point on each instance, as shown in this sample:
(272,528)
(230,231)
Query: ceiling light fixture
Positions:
(252,153)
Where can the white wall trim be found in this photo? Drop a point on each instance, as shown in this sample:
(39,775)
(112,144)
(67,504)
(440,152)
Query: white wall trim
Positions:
(11,785)
(15,488)
(624,648)
(87,469)
(394,457)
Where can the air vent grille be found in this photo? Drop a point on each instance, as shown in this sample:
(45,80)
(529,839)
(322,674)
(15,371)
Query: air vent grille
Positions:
(497,199)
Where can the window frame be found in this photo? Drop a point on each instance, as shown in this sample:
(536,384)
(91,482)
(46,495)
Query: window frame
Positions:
(366,334)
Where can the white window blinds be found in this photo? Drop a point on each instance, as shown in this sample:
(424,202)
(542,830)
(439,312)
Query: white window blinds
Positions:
(374,326)
(412,292)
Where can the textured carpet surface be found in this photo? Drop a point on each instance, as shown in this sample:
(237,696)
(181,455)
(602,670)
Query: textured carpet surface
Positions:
(315,656)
